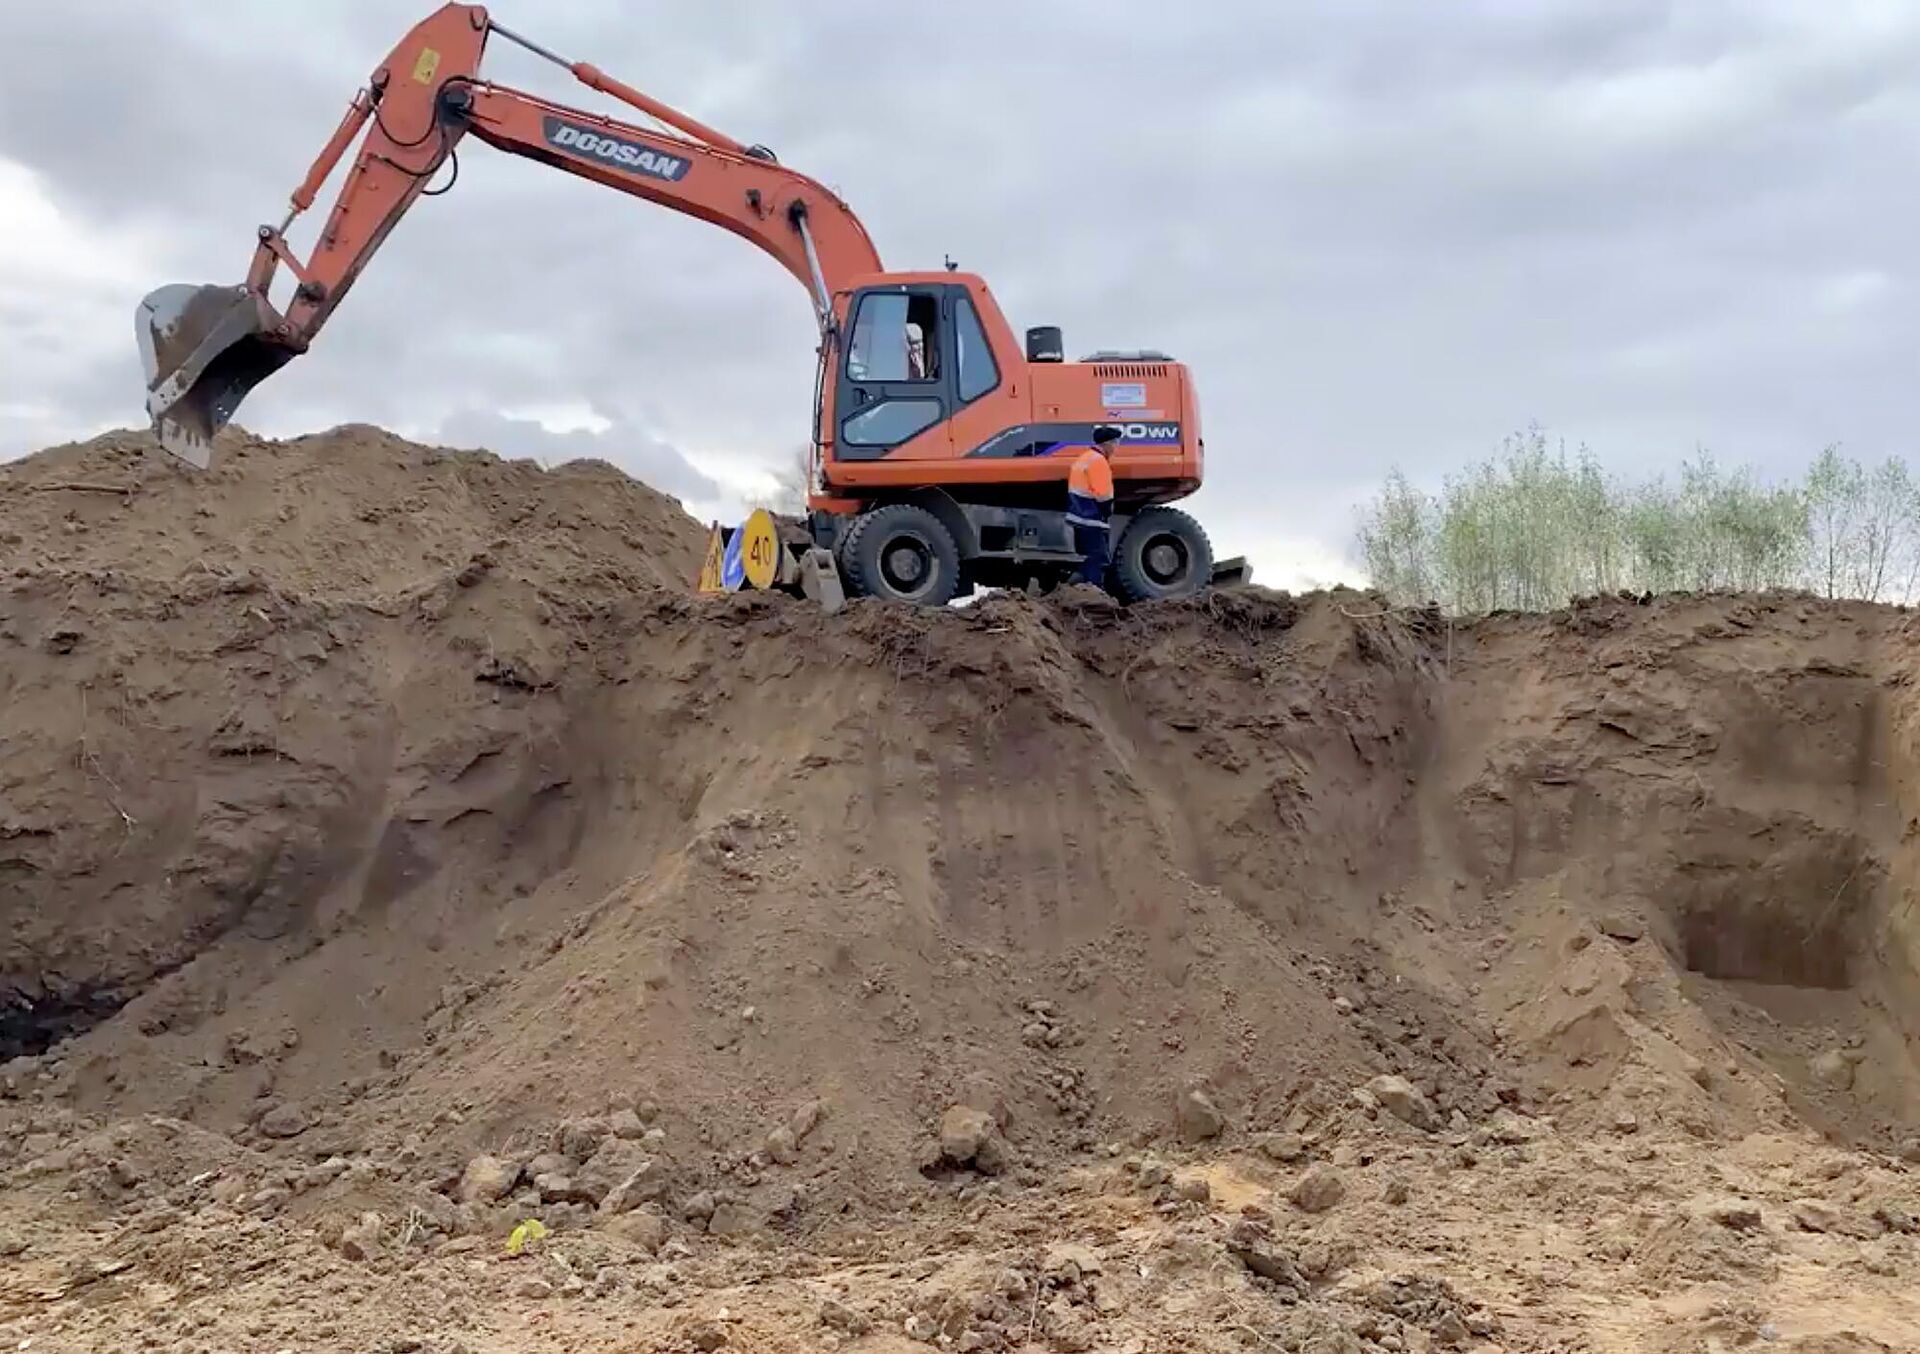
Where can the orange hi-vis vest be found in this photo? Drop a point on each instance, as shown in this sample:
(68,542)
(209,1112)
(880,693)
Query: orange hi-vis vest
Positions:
(1090,490)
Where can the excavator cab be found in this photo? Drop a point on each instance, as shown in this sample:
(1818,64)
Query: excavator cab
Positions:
(203,349)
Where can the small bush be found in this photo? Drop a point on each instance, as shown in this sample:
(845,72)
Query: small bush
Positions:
(1532,528)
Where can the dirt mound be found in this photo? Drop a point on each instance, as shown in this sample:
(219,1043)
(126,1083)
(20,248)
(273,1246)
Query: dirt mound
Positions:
(455,866)
(350,514)
(195,727)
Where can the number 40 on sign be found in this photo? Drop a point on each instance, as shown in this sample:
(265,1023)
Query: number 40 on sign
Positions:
(745,556)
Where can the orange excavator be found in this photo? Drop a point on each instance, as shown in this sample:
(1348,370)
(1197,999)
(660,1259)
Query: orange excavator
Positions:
(940,443)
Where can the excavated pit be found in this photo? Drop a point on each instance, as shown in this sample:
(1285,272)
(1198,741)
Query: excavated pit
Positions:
(1803,926)
(29,1028)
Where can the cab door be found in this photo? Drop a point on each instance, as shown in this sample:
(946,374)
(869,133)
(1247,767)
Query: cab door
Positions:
(896,383)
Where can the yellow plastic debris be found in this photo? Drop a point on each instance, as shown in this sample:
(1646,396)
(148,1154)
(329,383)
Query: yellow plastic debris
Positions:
(530,1230)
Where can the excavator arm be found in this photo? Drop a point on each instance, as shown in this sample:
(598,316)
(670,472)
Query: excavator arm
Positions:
(204,348)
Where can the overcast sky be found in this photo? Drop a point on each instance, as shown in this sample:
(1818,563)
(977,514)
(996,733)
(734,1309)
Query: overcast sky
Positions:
(1380,233)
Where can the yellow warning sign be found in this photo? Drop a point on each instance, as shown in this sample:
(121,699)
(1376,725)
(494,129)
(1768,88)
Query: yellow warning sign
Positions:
(710,570)
(760,550)
(426,65)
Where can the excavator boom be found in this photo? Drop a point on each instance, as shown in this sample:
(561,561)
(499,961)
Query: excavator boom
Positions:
(204,348)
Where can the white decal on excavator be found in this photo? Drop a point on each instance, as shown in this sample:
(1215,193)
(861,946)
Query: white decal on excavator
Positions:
(615,150)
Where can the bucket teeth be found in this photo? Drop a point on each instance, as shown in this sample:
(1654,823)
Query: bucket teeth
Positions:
(190,445)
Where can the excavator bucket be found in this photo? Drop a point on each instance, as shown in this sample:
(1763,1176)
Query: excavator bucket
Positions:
(203,349)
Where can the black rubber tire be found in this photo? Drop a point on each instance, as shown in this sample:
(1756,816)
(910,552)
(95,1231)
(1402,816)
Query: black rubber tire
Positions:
(872,563)
(1164,553)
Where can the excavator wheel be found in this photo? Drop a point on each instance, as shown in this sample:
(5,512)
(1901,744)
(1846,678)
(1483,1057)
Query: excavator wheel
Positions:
(902,554)
(1163,553)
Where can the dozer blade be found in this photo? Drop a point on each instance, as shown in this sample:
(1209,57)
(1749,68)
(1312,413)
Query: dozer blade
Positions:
(203,349)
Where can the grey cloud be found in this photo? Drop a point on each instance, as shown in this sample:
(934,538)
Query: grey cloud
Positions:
(640,454)
(1380,231)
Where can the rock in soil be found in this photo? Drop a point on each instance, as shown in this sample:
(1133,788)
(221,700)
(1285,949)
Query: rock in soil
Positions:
(649,1184)
(1151,1174)
(549,1163)
(361,1241)
(644,1229)
(1403,1100)
(805,1119)
(578,1139)
(970,1137)
(1320,1189)
(562,1189)
(1196,1116)
(1252,1245)
(1833,1069)
(285,1121)
(1622,926)
(486,1180)
(1283,1147)
(732,1217)
(614,1162)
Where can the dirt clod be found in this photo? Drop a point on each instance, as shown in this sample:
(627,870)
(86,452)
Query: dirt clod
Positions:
(1736,1216)
(1832,1069)
(1623,927)
(1193,1187)
(838,1316)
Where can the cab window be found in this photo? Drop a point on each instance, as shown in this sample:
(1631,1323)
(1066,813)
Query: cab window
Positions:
(974,360)
(895,338)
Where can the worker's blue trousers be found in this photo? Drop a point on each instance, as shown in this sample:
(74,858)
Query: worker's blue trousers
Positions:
(1091,542)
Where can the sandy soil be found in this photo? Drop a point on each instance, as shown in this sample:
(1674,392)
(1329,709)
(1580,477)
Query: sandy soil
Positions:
(392,852)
